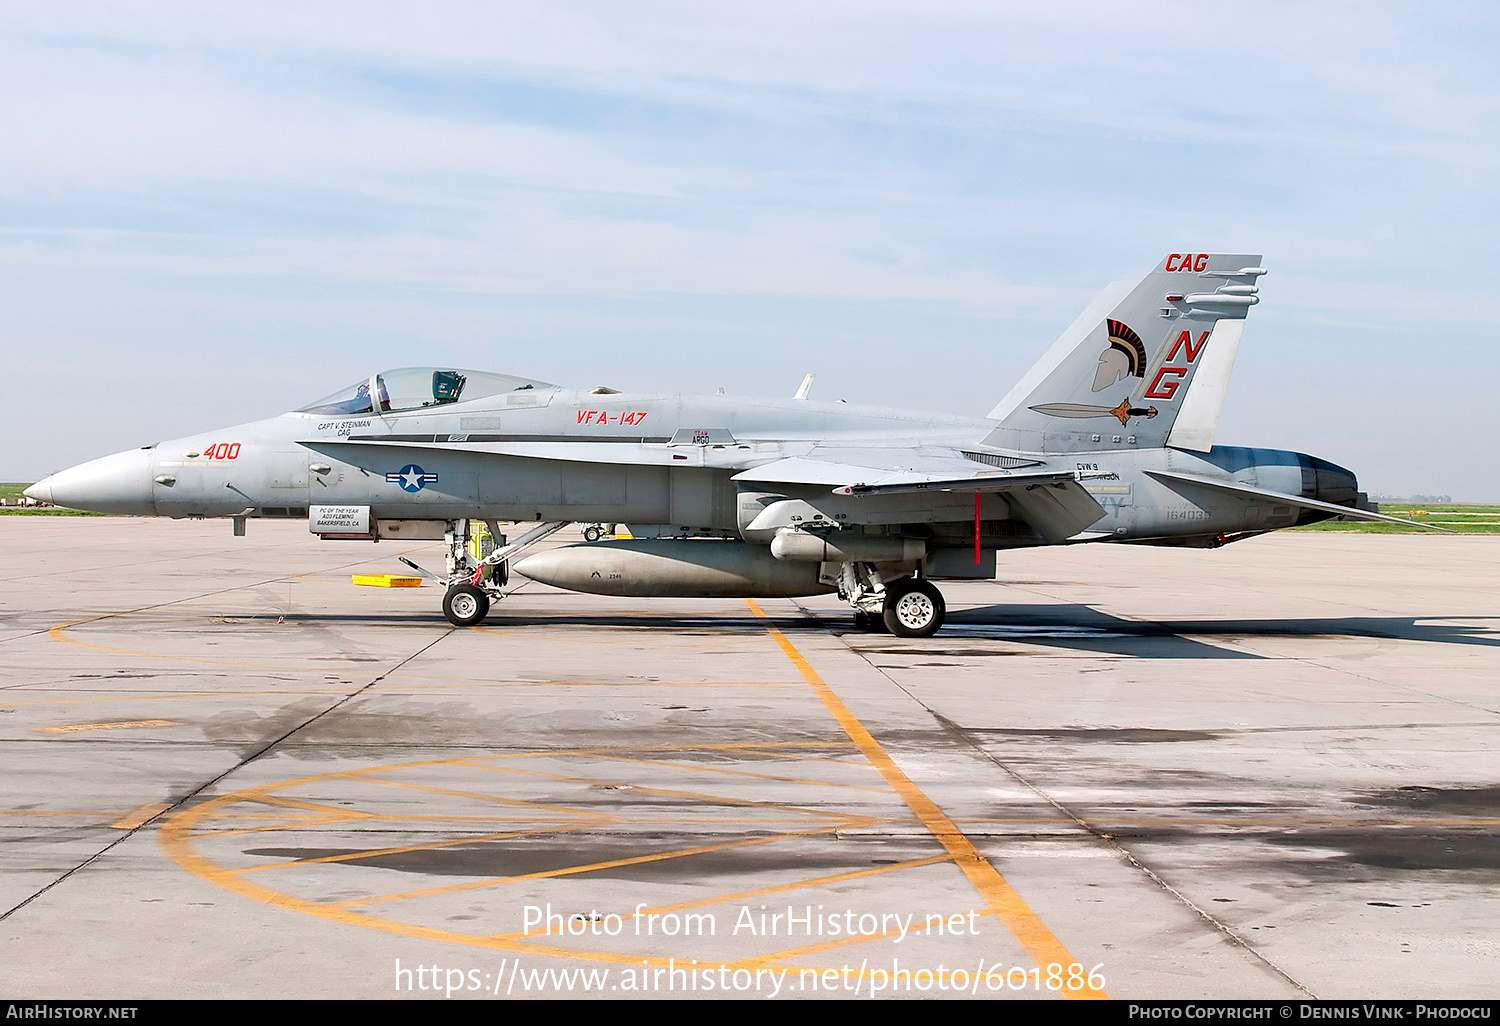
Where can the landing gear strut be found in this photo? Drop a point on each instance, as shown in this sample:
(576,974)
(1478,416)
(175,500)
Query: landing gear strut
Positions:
(470,588)
(908,607)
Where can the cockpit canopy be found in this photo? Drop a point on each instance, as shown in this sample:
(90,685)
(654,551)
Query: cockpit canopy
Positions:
(418,388)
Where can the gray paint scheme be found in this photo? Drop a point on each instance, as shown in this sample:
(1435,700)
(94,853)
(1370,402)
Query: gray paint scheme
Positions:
(1090,445)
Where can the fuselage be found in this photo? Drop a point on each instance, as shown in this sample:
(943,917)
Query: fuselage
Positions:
(544,453)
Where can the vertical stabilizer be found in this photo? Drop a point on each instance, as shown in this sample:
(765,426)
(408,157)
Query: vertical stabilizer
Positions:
(1143,367)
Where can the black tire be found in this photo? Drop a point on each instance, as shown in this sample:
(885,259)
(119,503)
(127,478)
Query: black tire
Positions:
(913,608)
(864,621)
(593,533)
(465,605)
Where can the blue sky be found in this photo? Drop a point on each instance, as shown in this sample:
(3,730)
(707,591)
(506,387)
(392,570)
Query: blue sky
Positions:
(211,214)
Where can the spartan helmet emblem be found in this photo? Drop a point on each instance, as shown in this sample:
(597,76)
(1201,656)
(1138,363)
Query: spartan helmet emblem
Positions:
(1125,357)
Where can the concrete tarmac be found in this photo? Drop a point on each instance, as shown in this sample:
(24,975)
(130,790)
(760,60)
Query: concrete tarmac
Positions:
(1267,771)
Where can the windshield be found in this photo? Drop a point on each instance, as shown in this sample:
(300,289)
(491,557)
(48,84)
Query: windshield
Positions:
(416,388)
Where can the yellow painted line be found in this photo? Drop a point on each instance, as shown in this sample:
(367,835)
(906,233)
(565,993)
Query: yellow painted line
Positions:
(138,817)
(1024,924)
(333,811)
(178,837)
(116,725)
(539,822)
(429,846)
(548,874)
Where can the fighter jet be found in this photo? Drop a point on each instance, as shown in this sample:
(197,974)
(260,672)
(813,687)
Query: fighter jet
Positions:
(1108,438)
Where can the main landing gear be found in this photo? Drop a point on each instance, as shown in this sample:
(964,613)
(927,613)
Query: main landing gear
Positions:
(913,608)
(474,583)
(908,607)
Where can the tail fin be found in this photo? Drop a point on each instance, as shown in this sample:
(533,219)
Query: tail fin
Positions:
(1143,367)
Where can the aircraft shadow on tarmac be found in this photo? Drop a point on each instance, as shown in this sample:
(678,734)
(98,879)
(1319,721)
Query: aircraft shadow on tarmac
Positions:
(681,624)
(1068,626)
(1087,629)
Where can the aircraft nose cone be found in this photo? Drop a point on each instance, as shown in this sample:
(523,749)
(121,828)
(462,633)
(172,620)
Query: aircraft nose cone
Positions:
(113,484)
(40,492)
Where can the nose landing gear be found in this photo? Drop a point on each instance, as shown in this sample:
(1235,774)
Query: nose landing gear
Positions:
(465,605)
(470,590)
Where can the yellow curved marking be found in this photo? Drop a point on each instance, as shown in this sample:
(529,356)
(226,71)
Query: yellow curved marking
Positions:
(139,817)
(1024,924)
(178,835)
(73,728)
(429,846)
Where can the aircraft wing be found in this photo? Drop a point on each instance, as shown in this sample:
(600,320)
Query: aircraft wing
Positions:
(843,465)
(1052,502)
(1244,491)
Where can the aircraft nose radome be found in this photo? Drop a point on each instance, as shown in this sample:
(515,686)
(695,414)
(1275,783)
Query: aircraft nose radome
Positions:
(40,492)
(113,484)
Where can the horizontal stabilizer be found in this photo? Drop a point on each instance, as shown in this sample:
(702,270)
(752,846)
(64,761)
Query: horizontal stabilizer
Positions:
(1055,505)
(1051,501)
(1247,492)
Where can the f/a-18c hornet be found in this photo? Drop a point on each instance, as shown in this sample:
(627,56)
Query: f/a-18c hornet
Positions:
(1109,438)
